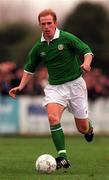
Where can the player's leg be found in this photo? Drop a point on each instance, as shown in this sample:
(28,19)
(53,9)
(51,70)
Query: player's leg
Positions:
(55,111)
(84,126)
(78,105)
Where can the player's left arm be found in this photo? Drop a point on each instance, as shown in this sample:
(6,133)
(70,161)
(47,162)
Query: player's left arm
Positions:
(86,65)
(82,49)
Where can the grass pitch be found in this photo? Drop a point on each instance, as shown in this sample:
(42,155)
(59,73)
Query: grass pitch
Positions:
(90,161)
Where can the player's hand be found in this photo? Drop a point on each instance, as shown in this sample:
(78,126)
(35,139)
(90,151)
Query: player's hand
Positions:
(86,67)
(14,91)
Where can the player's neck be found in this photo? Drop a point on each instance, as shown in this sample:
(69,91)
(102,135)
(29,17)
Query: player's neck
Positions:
(48,39)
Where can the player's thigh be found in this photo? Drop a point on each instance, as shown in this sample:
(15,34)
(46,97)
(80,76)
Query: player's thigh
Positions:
(54,94)
(78,104)
(54,111)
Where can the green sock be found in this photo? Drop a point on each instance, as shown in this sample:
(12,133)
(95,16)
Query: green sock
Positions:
(90,124)
(58,139)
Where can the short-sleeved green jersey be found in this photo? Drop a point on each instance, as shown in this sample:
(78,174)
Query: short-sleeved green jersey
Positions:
(61,57)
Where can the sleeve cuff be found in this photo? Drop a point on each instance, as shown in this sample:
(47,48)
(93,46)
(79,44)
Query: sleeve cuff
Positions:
(29,72)
(89,53)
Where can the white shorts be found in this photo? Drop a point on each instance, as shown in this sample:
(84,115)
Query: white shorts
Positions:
(72,95)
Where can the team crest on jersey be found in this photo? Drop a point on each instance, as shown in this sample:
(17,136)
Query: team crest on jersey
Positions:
(60,46)
(42,53)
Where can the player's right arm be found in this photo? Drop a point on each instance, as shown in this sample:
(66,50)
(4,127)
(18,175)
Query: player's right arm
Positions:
(24,81)
(29,69)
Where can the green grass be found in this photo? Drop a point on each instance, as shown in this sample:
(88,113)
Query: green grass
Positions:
(90,161)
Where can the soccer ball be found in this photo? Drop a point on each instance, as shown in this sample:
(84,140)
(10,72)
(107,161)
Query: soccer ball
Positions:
(45,164)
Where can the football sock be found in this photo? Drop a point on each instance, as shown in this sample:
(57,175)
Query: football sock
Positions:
(58,139)
(90,124)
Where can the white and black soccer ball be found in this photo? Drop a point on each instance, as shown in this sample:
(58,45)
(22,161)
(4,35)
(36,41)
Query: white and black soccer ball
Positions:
(45,164)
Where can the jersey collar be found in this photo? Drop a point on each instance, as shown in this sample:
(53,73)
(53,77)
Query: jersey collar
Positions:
(56,35)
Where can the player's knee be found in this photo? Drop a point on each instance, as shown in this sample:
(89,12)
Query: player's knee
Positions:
(53,119)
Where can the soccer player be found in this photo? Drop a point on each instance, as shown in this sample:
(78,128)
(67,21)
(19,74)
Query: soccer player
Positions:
(60,51)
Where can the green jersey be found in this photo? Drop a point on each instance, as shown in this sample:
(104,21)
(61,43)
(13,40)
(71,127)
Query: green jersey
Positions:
(61,56)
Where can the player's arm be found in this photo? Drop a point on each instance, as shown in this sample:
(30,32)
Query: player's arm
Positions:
(86,66)
(83,49)
(29,69)
(24,81)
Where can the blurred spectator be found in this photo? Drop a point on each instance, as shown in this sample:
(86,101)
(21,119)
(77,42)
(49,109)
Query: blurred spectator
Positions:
(97,84)
(10,76)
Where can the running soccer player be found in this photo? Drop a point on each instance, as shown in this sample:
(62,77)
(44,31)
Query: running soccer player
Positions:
(60,51)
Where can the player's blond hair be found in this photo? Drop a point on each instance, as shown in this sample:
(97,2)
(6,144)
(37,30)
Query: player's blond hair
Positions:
(47,12)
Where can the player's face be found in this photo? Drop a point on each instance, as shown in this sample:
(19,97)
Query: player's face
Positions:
(48,26)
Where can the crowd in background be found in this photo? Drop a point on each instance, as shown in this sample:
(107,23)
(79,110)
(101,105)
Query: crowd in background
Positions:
(10,76)
(97,84)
